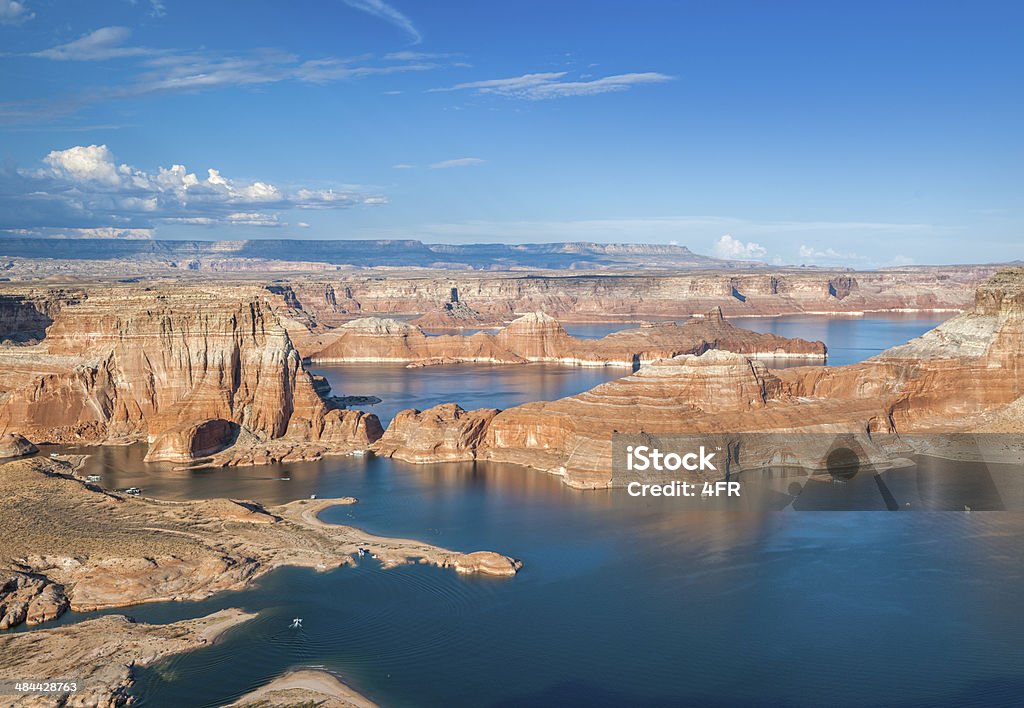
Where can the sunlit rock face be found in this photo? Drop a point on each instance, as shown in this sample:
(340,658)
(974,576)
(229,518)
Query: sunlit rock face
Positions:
(134,364)
(583,297)
(14,445)
(965,374)
(444,433)
(537,337)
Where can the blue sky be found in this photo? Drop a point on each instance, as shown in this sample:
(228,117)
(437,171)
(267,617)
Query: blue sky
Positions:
(862,134)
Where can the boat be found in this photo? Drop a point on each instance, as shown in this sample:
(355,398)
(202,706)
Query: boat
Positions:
(134,491)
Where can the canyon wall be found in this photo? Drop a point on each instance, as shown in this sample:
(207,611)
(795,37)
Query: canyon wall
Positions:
(137,364)
(537,337)
(25,315)
(590,297)
(949,380)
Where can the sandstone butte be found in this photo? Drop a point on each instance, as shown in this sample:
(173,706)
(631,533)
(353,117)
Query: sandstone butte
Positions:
(190,370)
(965,374)
(536,337)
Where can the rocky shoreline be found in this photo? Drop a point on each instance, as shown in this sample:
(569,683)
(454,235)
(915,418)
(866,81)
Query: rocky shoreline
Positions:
(67,544)
(100,655)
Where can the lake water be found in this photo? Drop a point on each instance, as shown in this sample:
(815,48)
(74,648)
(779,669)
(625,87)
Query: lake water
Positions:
(849,339)
(469,385)
(620,601)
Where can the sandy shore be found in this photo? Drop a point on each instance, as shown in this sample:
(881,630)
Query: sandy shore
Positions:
(305,687)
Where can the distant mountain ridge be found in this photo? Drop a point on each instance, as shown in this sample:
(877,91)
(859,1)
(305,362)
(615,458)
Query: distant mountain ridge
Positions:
(373,253)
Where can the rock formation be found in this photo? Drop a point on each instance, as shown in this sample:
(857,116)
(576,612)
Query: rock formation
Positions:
(582,297)
(951,379)
(129,364)
(28,598)
(444,433)
(539,338)
(374,339)
(14,445)
(188,442)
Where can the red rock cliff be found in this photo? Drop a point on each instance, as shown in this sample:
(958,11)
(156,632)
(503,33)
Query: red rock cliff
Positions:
(136,364)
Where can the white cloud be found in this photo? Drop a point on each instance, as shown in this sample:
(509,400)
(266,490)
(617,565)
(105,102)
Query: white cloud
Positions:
(85,187)
(827,256)
(97,232)
(541,86)
(403,166)
(700,233)
(253,218)
(457,162)
(380,9)
(93,163)
(415,56)
(734,249)
(153,70)
(104,43)
(14,13)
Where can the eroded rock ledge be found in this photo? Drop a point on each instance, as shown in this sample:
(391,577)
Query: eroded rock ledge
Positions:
(967,374)
(101,654)
(67,544)
(189,370)
(537,337)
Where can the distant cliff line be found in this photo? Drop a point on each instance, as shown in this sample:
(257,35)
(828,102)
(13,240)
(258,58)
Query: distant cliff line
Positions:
(405,253)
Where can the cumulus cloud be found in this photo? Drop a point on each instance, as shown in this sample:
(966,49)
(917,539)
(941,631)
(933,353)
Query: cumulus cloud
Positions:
(14,13)
(98,45)
(827,256)
(85,187)
(734,249)
(547,85)
(384,11)
(457,162)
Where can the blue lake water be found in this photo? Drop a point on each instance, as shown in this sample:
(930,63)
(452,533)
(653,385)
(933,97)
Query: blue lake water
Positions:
(620,601)
(849,339)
